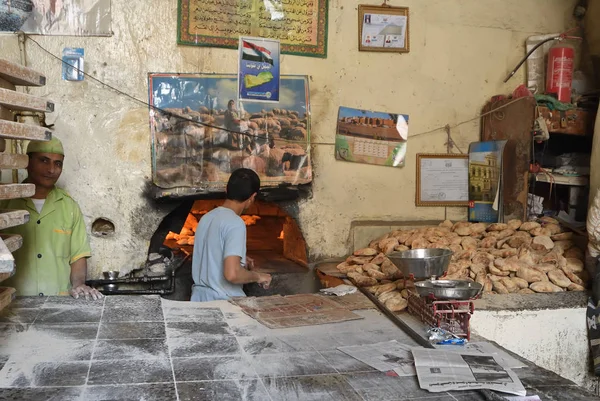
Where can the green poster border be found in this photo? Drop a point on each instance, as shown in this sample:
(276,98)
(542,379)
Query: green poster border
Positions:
(285,48)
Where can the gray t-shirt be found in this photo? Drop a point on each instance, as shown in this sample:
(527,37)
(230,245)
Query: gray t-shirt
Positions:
(220,233)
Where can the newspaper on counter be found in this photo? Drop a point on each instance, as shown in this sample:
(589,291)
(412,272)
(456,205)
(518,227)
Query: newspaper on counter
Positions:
(340,290)
(439,370)
(485,348)
(385,356)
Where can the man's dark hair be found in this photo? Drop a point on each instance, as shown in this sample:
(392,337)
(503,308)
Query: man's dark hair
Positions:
(242,184)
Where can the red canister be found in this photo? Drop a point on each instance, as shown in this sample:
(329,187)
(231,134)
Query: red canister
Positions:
(559,75)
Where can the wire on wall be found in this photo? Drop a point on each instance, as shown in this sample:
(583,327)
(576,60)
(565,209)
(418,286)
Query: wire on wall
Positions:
(447,127)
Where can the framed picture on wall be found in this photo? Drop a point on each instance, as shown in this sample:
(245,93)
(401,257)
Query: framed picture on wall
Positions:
(442,180)
(383,29)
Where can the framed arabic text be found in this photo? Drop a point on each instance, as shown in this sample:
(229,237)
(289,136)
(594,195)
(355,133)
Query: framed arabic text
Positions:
(383,29)
(300,25)
(442,180)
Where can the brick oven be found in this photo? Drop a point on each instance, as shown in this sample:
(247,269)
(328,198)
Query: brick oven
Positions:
(274,241)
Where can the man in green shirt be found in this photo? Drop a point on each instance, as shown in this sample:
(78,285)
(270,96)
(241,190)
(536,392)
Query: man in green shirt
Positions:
(53,258)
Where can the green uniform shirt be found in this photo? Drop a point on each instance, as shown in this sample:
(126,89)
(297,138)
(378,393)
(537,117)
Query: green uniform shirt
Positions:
(52,240)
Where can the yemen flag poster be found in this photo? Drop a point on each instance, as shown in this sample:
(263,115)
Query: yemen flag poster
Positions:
(258,76)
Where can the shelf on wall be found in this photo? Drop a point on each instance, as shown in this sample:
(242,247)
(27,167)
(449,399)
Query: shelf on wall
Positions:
(12,218)
(12,74)
(20,75)
(12,241)
(13,130)
(16,191)
(578,181)
(22,101)
(13,161)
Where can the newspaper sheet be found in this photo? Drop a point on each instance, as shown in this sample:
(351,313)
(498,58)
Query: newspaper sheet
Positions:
(485,348)
(385,356)
(439,370)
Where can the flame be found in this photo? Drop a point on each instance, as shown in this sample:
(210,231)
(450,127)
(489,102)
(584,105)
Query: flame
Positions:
(280,235)
(188,232)
(250,220)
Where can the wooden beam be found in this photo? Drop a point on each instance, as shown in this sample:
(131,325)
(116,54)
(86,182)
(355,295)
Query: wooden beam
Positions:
(12,130)
(12,241)
(5,276)
(5,113)
(7,261)
(7,85)
(15,191)
(13,161)
(20,75)
(22,101)
(576,181)
(7,295)
(11,218)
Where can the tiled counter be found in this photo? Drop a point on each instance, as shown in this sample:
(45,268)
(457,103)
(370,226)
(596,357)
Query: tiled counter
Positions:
(145,348)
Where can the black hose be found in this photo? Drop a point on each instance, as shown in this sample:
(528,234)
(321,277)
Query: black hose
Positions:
(165,291)
(527,56)
(129,280)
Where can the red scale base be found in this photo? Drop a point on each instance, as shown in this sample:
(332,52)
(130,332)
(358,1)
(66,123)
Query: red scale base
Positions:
(452,315)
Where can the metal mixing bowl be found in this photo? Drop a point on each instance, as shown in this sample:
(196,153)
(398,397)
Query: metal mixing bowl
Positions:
(448,289)
(422,263)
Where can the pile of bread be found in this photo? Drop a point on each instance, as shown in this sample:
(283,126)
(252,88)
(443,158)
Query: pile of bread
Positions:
(513,257)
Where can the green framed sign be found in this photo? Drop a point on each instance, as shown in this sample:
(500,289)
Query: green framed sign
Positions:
(300,25)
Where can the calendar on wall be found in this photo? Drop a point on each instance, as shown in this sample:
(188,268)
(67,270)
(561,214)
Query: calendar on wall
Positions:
(371,137)
(366,147)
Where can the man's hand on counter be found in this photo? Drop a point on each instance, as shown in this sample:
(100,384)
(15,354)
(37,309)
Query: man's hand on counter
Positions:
(264,280)
(87,292)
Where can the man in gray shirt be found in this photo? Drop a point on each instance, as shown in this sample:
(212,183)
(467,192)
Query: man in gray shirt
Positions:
(219,260)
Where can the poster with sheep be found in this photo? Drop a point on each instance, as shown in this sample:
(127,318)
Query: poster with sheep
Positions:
(56,17)
(201,132)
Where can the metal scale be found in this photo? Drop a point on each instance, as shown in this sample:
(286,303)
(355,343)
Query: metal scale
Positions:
(447,304)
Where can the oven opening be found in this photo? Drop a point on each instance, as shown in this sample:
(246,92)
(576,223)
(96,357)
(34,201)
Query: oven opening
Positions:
(274,241)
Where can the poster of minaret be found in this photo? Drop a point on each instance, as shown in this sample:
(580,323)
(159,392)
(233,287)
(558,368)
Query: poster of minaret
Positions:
(485,181)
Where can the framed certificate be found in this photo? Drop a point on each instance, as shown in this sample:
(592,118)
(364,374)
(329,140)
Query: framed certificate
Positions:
(442,180)
(383,29)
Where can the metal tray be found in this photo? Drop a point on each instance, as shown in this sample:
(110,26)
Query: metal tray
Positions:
(422,263)
(448,289)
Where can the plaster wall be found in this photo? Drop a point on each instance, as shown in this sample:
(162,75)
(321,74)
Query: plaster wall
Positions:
(461,50)
(555,339)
